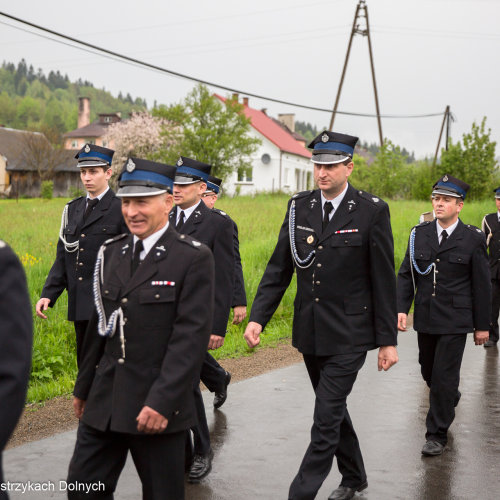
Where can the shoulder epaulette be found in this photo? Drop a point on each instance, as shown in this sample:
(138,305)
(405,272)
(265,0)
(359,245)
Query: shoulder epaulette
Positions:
(220,212)
(371,198)
(184,238)
(296,196)
(74,199)
(473,228)
(424,223)
(116,238)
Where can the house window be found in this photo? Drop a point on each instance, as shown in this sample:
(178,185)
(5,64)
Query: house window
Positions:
(74,144)
(245,174)
(107,119)
(104,143)
(91,141)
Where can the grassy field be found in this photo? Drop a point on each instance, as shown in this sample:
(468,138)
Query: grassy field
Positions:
(31,227)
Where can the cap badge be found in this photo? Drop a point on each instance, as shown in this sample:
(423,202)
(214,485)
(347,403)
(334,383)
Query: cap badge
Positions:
(179,162)
(87,149)
(445,178)
(325,138)
(130,166)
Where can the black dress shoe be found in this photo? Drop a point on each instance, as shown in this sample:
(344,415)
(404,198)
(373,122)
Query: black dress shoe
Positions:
(432,448)
(220,397)
(345,492)
(202,465)
(490,343)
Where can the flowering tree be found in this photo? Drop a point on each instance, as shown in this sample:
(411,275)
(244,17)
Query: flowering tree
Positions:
(140,136)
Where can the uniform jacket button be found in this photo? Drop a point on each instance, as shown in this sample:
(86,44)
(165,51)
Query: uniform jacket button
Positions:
(176,412)
(320,247)
(319,264)
(106,292)
(316,299)
(82,235)
(157,296)
(80,279)
(121,361)
(124,300)
(318,282)
(437,260)
(80,263)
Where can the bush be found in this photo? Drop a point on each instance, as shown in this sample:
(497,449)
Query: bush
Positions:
(47,190)
(75,192)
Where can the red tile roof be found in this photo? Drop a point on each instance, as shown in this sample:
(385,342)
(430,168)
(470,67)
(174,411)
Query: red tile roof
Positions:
(274,132)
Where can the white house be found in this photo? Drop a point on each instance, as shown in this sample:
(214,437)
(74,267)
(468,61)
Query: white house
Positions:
(281,162)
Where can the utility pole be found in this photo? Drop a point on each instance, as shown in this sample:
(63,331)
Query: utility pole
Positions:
(361,12)
(446,120)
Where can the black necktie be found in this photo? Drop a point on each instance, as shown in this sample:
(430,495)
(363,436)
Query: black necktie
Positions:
(136,259)
(444,235)
(90,206)
(327,208)
(179,225)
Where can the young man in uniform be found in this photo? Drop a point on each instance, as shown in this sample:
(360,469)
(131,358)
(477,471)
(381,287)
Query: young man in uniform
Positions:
(87,222)
(211,374)
(491,228)
(339,242)
(192,217)
(445,271)
(154,294)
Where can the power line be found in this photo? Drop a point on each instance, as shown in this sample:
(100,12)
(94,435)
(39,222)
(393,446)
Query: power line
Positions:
(137,62)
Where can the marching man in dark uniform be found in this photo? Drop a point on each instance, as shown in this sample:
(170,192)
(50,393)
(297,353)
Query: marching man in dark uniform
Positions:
(491,228)
(154,292)
(339,242)
(191,216)
(86,223)
(211,372)
(445,271)
(16,337)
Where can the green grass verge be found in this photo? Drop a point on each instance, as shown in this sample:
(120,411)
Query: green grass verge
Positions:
(32,226)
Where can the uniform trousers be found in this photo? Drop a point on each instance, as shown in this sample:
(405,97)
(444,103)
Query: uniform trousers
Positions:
(99,458)
(80,329)
(201,434)
(440,358)
(332,433)
(495,309)
(212,374)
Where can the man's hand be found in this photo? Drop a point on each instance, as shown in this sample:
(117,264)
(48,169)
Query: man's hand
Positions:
(402,322)
(387,356)
(150,421)
(240,313)
(252,333)
(215,342)
(481,336)
(42,305)
(78,407)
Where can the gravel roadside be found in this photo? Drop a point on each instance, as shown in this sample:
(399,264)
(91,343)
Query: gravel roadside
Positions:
(41,420)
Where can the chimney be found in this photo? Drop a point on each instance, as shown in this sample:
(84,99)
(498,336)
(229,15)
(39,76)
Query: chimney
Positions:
(288,119)
(235,96)
(245,101)
(83,112)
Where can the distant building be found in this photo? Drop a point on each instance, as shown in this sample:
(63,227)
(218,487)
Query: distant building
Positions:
(24,154)
(282,161)
(87,132)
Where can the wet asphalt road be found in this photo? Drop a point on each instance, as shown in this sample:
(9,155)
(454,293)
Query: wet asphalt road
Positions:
(260,434)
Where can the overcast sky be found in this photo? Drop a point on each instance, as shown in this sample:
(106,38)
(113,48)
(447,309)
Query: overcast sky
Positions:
(427,54)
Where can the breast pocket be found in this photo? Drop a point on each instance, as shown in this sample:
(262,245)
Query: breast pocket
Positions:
(459,258)
(70,229)
(104,229)
(423,256)
(346,240)
(157,295)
